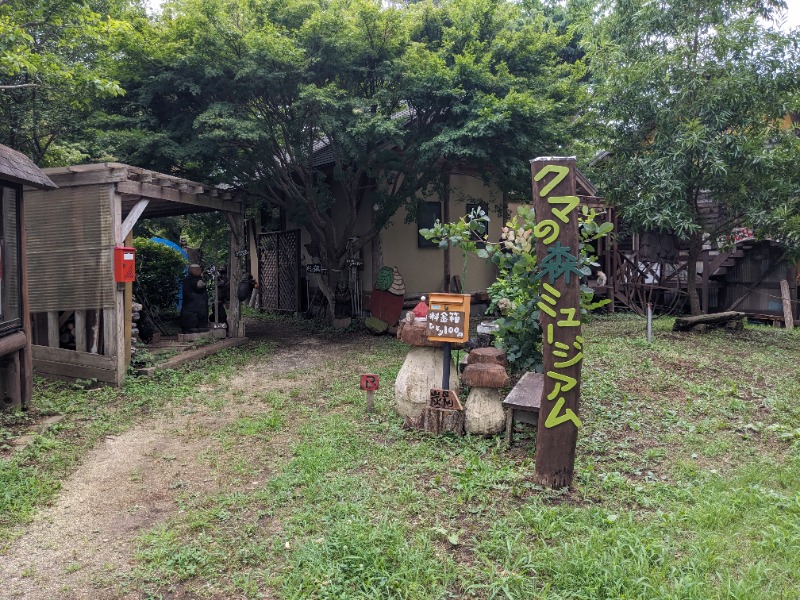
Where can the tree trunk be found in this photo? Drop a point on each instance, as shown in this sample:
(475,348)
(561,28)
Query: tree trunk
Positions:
(327,291)
(695,249)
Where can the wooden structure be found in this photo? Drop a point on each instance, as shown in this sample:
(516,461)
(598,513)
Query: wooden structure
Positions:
(734,273)
(523,403)
(16,171)
(557,254)
(71,239)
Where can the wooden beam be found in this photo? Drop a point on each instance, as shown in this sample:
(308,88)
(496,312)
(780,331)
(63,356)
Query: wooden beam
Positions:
(149,190)
(80,330)
(195,354)
(12,343)
(67,179)
(127,311)
(52,329)
(130,221)
(786,298)
(69,365)
(114,316)
(26,361)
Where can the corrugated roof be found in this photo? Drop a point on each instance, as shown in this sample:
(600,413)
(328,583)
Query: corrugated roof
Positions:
(18,168)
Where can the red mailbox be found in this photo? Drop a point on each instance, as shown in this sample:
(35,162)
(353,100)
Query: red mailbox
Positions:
(124,264)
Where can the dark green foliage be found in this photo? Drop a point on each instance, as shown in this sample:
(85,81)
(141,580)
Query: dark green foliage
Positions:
(159,270)
(691,97)
(249,93)
(55,63)
(208,232)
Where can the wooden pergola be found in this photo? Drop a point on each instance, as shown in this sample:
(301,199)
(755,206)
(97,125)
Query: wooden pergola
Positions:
(71,239)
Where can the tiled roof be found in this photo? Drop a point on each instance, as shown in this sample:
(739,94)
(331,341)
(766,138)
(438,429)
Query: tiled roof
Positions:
(18,168)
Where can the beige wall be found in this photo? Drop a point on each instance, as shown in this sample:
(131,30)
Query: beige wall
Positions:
(423,268)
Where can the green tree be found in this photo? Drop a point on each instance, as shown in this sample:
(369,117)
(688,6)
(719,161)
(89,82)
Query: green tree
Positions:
(304,103)
(54,63)
(690,97)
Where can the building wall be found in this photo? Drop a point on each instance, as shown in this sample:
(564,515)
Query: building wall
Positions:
(423,268)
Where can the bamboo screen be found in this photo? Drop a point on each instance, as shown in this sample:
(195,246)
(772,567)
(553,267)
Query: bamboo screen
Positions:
(70,248)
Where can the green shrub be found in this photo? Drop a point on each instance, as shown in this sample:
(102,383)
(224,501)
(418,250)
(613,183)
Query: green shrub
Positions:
(159,271)
(516,293)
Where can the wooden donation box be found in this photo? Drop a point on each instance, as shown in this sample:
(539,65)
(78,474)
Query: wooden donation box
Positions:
(448,322)
(448,318)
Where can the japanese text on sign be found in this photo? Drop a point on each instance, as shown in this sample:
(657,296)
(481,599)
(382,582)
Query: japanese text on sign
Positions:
(560,324)
(445,323)
(444,399)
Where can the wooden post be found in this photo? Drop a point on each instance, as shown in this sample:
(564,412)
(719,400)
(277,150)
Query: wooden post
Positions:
(53,332)
(127,310)
(26,353)
(557,252)
(114,316)
(788,319)
(80,330)
(706,282)
(235,321)
(446,219)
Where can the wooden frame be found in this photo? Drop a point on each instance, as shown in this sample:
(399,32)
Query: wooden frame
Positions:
(16,372)
(103,335)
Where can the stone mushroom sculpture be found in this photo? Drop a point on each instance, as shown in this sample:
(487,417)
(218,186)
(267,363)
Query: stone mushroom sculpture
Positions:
(421,371)
(485,374)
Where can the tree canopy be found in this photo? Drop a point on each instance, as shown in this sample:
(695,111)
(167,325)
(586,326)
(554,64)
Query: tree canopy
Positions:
(691,98)
(302,103)
(55,58)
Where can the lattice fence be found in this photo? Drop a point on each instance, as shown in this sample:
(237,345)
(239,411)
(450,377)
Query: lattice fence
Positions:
(279,270)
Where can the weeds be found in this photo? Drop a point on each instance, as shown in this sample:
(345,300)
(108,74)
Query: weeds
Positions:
(687,479)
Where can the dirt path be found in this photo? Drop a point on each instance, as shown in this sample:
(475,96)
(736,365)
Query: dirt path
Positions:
(79,546)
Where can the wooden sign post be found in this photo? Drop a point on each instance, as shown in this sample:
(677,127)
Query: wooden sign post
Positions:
(557,253)
(448,322)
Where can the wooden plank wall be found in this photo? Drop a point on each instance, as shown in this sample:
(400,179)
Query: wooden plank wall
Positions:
(60,363)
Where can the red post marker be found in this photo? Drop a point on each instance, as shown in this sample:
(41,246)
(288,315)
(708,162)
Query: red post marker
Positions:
(370,383)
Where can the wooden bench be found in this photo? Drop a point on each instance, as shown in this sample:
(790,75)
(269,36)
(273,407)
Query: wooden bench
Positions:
(702,323)
(522,404)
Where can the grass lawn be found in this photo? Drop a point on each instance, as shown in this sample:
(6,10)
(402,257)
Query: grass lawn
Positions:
(687,482)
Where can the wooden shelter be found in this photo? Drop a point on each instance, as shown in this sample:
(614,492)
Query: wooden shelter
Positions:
(16,171)
(71,239)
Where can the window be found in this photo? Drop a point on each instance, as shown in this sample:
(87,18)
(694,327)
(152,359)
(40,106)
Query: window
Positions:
(10,290)
(427,214)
